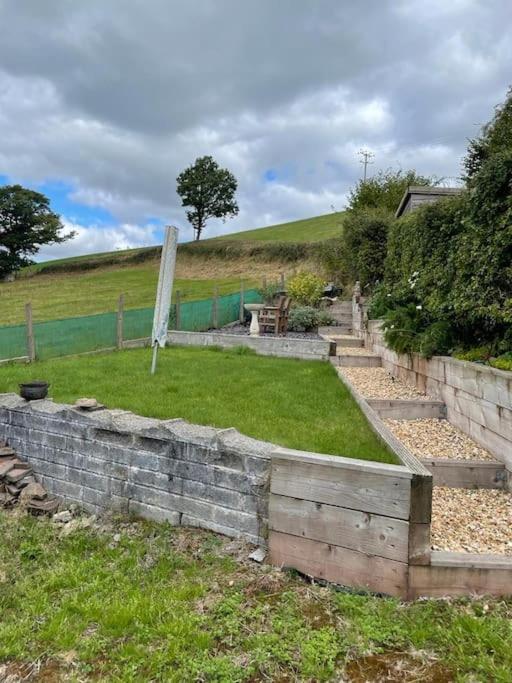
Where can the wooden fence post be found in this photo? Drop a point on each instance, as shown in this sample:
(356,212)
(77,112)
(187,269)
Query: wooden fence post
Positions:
(283,283)
(215,308)
(31,345)
(178,309)
(264,283)
(120,320)
(242,311)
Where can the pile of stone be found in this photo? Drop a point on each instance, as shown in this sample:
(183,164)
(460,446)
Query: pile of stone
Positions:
(18,485)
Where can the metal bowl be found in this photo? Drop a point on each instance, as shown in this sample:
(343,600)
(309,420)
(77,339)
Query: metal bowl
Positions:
(32,391)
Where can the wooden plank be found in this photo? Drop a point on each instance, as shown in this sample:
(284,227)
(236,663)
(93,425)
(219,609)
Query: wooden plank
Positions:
(119,322)
(467,474)
(360,531)
(451,576)
(338,565)
(358,489)
(31,345)
(407,409)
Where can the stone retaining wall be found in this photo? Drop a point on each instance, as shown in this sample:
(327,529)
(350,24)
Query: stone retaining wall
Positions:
(478,398)
(160,469)
(285,347)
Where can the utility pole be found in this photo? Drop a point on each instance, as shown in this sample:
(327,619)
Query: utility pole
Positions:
(365,160)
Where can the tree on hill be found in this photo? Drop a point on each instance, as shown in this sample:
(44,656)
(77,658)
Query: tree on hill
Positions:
(26,223)
(209,191)
(385,189)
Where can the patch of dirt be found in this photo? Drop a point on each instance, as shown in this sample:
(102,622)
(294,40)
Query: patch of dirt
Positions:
(34,672)
(396,667)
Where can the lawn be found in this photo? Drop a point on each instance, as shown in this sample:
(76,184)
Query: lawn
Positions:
(138,601)
(293,403)
(63,295)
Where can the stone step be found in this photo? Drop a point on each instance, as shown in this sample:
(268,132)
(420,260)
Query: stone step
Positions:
(356,361)
(407,409)
(5,451)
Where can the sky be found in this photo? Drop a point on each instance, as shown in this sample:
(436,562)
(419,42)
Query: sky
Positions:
(104,102)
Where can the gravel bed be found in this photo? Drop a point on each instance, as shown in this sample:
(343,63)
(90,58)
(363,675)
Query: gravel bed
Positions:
(437,438)
(244,330)
(353,351)
(378,383)
(472,520)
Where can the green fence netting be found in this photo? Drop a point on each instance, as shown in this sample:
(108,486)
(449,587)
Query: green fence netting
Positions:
(93,332)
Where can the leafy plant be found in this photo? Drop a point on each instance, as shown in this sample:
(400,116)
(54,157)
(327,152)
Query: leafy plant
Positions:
(269,291)
(385,189)
(365,242)
(306,288)
(303,319)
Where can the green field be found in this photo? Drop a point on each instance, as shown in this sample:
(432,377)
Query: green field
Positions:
(313,229)
(138,601)
(78,293)
(294,403)
(85,285)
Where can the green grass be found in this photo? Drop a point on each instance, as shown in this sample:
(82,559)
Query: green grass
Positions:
(294,403)
(171,605)
(313,229)
(66,295)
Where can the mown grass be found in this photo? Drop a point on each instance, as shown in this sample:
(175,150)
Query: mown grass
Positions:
(66,295)
(137,601)
(293,403)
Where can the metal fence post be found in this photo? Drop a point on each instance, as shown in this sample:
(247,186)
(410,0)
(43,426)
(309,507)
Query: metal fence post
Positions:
(120,320)
(31,345)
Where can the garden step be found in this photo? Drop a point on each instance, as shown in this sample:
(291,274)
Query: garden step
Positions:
(407,409)
(357,361)
(334,334)
(5,451)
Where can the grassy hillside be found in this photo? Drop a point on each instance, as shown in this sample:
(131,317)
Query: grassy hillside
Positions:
(88,284)
(307,230)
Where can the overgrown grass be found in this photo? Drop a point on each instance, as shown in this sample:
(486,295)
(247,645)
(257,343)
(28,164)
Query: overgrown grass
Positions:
(145,602)
(293,403)
(66,295)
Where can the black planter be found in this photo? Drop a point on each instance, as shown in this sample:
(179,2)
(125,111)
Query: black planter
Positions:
(32,391)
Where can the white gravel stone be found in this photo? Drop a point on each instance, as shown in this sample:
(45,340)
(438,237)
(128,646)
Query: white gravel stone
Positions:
(378,383)
(437,438)
(472,520)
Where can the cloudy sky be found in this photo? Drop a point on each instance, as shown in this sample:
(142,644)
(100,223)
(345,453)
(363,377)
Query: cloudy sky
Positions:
(104,102)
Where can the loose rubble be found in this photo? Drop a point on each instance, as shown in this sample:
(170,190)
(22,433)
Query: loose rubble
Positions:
(19,486)
(378,383)
(472,520)
(437,438)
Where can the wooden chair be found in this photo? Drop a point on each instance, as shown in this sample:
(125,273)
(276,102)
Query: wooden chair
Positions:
(275,318)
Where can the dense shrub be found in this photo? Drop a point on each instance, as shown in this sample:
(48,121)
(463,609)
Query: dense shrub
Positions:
(384,190)
(306,318)
(365,242)
(306,288)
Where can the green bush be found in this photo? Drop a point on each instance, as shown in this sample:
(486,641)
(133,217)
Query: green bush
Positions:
(365,241)
(503,362)
(306,288)
(307,318)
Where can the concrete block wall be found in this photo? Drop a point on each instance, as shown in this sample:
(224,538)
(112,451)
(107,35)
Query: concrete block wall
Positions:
(284,347)
(159,469)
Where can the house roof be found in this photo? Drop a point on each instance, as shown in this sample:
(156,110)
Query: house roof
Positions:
(425,190)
